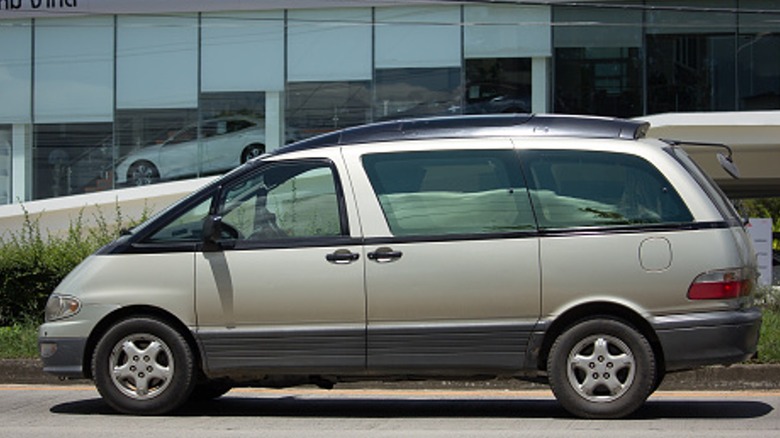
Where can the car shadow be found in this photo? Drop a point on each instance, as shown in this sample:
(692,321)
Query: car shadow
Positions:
(291,406)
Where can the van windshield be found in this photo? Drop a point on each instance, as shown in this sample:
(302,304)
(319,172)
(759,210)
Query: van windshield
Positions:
(713,191)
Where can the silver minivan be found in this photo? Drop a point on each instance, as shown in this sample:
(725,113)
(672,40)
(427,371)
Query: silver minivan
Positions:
(563,249)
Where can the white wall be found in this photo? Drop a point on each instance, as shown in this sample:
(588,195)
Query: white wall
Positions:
(55,215)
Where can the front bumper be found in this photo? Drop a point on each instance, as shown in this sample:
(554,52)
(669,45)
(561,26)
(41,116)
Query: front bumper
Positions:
(63,357)
(713,338)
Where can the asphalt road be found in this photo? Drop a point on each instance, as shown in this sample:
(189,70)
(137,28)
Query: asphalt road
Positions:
(77,411)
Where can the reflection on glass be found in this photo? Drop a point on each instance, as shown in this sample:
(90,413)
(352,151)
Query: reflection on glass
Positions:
(758,66)
(498,85)
(690,73)
(450,192)
(141,138)
(415,92)
(72,158)
(283,201)
(598,81)
(5,164)
(317,107)
(223,143)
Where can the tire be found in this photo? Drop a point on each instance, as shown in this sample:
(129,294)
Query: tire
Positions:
(252,151)
(209,390)
(143,366)
(142,173)
(601,368)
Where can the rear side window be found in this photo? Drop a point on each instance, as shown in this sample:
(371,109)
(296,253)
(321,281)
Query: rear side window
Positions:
(450,192)
(713,191)
(591,188)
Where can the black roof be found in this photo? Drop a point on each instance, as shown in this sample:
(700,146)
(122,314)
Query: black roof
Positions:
(477,126)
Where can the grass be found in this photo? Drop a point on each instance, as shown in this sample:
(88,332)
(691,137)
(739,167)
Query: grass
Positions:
(19,341)
(769,343)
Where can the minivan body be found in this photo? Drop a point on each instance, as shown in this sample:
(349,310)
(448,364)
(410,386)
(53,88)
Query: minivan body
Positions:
(564,249)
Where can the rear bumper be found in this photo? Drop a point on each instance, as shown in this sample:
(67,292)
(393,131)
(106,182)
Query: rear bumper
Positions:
(714,338)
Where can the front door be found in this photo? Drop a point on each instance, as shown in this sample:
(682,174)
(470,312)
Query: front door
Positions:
(285,291)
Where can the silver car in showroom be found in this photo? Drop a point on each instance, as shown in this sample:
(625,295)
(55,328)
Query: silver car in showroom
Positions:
(211,146)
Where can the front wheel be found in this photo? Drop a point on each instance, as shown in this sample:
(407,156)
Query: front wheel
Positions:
(143,366)
(142,173)
(252,151)
(601,368)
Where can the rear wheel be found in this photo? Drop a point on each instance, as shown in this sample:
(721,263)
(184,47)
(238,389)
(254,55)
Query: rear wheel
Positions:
(601,368)
(143,366)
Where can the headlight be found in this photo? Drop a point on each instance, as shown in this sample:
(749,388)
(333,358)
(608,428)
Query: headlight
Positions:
(61,306)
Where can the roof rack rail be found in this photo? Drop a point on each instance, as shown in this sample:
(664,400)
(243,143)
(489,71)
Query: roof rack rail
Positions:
(478,126)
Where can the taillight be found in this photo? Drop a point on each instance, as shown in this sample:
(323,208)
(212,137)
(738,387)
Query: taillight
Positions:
(721,285)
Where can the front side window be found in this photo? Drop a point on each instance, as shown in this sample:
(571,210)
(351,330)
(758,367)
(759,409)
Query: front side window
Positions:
(450,192)
(283,201)
(187,227)
(588,188)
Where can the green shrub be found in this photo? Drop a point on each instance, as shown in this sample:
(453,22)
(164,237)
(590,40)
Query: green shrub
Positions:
(769,342)
(31,266)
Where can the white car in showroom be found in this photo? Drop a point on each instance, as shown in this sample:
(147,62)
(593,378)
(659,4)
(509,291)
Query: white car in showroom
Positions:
(224,143)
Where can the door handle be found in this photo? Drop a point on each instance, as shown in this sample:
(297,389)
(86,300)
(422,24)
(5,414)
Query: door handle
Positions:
(384,255)
(342,257)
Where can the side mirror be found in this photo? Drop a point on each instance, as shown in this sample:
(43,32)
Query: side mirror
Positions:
(212,229)
(728,165)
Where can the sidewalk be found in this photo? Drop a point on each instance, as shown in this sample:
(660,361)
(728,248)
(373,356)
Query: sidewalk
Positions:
(736,378)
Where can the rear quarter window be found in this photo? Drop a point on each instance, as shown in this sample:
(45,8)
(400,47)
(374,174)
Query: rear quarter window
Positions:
(571,189)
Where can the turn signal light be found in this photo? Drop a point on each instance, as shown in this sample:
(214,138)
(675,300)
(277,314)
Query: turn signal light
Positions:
(721,285)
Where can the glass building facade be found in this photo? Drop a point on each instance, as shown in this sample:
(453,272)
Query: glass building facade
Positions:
(97,101)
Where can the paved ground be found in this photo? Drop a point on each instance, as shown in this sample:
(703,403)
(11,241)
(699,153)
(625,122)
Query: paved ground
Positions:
(76,411)
(737,377)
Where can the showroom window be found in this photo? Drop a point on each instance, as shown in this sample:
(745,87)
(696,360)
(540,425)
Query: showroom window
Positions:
(73,143)
(242,52)
(417,92)
(5,164)
(758,56)
(498,85)
(690,58)
(15,71)
(500,43)
(157,96)
(71,158)
(329,70)
(141,135)
(317,107)
(15,105)
(418,62)
(598,61)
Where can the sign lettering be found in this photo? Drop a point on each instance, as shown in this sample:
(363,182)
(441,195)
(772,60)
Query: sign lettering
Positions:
(12,5)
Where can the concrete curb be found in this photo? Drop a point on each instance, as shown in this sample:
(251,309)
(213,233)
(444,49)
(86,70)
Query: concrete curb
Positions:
(740,377)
